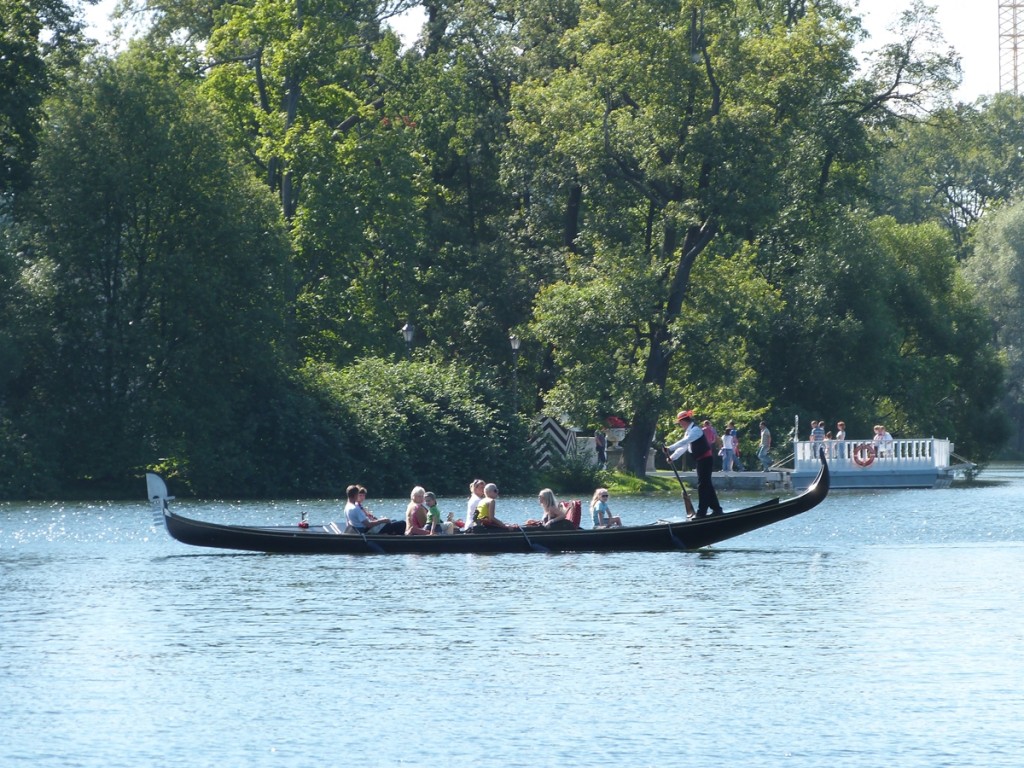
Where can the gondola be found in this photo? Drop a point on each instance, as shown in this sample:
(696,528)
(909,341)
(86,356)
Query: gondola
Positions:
(328,540)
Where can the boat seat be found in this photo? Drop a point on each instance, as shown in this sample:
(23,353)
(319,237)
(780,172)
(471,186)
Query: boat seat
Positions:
(573,511)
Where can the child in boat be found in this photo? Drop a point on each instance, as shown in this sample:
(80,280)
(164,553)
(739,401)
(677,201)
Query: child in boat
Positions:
(434,523)
(599,511)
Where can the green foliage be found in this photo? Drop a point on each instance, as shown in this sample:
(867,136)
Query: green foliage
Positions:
(670,202)
(301,91)
(38,39)
(422,423)
(948,373)
(953,167)
(157,275)
(625,484)
(996,272)
(475,275)
(723,334)
(574,472)
(674,127)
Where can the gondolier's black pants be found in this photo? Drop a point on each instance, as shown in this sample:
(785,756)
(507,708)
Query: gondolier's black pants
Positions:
(706,496)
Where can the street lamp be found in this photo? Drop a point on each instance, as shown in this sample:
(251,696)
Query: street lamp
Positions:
(408,331)
(515,341)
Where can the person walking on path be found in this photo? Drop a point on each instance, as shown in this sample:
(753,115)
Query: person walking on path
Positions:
(694,441)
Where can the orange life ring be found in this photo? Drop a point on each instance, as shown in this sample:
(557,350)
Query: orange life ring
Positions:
(864,454)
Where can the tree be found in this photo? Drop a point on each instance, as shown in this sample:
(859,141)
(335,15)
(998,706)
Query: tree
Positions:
(719,359)
(479,267)
(422,423)
(40,38)
(948,376)
(686,124)
(996,270)
(301,89)
(952,167)
(158,269)
(663,119)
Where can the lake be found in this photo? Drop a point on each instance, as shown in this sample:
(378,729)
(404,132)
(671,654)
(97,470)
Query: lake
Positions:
(879,628)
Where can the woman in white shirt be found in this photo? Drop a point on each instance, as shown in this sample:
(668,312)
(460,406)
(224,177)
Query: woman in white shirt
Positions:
(476,495)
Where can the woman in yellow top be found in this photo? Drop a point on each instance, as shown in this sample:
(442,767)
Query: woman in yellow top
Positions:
(484,515)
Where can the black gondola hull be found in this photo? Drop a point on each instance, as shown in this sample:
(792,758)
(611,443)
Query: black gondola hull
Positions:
(657,537)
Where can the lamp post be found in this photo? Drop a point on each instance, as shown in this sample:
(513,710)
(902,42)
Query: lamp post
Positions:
(408,331)
(515,341)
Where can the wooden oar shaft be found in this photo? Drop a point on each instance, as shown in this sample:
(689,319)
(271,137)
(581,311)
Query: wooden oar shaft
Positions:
(686,496)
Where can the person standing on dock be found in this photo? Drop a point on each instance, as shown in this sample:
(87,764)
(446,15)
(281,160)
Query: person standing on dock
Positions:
(694,441)
(765,447)
(840,442)
(882,441)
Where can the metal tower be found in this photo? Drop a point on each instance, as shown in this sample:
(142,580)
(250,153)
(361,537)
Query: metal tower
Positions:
(1011,46)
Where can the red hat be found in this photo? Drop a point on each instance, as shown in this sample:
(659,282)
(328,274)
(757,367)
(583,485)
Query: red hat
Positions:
(684,416)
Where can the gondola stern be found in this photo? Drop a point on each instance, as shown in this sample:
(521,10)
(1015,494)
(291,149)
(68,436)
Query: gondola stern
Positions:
(822,483)
(156,490)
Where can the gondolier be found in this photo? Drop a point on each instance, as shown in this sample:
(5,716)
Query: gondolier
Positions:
(694,441)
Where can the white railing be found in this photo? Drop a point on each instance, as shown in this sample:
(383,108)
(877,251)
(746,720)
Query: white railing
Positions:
(913,453)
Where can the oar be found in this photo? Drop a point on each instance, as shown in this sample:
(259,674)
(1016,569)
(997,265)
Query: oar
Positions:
(372,545)
(690,514)
(534,547)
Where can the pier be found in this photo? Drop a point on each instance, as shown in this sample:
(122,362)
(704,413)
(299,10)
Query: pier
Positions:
(910,463)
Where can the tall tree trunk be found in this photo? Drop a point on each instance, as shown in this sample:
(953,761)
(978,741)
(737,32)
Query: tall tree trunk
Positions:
(659,357)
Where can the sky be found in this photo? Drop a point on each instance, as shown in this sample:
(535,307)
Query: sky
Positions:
(970,26)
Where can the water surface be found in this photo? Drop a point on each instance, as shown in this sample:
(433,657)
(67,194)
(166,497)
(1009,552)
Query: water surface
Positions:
(880,628)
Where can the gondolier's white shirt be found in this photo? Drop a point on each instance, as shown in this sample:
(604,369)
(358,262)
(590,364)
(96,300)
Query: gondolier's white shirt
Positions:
(682,446)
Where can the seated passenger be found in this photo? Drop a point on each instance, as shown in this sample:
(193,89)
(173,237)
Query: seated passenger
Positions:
(434,524)
(599,511)
(476,495)
(359,520)
(484,517)
(554,513)
(416,514)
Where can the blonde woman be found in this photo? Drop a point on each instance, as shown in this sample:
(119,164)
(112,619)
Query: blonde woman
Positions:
(476,495)
(554,513)
(599,511)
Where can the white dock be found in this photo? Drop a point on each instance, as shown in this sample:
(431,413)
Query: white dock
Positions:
(914,463)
